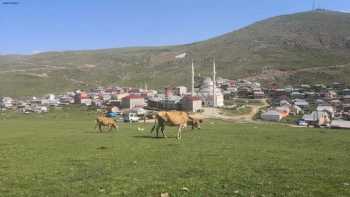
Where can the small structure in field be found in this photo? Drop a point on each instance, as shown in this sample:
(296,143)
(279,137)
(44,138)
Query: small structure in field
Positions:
(340,124)
(271,115)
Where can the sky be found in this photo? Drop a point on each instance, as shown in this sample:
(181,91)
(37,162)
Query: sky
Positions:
(33,26)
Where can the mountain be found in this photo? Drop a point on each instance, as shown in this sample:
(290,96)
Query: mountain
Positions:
(308,47)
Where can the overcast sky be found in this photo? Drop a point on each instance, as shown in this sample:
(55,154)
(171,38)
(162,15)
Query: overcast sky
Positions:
(44,25)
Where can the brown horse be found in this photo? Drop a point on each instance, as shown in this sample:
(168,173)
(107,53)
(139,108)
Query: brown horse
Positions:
(106,122)
(174,118)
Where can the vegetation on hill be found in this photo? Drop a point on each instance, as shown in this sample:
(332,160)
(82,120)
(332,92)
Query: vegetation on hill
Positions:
(288,43)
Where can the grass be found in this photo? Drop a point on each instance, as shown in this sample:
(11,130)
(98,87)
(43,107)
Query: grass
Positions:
(60,154)
(240,110)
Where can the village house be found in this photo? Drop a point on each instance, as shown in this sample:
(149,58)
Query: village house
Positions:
(346,92)
(338,85)
(283,110)
(271,115)
(296,110)
(66,100)
(180,90)
(6,102)
(340,124)
(317,118)
(337,104)
(346,99)
(79,96)
(327,108)
(191,103)
(120,96)
(297,95)
(133,101)
(328,94)
(309,95)
(305,87)
(278,93)
(303,104)
(284,102)
(319,87)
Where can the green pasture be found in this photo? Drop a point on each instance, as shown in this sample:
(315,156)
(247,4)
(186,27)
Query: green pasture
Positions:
(61,154)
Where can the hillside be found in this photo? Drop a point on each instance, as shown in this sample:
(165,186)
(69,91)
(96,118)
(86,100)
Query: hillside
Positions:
(307,45)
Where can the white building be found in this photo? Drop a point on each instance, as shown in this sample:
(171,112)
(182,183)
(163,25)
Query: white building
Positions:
(271,115)
(191,103)
(206,93)
(329,109)
(180,90)
(6,102)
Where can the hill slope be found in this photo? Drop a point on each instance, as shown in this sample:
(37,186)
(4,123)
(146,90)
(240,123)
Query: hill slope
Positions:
(289,44)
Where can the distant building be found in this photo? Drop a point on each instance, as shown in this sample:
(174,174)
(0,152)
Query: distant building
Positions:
(133,101)
(303,104)
(340,124)
(245,92)
(206,94)
(79,96)
(86,101)
(297,95)
(346,92)
(6,102)
(120,96)
(259,94)
(191,103)
(326,108)
(283,110)
(163,102)
(346,99)
(271,115)
(317,118)
(180,90)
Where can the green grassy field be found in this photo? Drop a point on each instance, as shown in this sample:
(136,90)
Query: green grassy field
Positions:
(60,154)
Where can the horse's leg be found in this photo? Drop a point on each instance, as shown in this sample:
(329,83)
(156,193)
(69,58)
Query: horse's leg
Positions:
(162,129)
(100,127)
(157,130)
(96,125)
(179,133)
(154,126)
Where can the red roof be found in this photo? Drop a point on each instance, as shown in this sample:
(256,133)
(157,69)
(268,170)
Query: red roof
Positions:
(192,98)
(134,97)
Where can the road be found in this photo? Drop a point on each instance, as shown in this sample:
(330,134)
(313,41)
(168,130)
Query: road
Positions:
(215,113)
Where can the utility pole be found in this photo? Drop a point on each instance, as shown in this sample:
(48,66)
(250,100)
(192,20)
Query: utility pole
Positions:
(214,83)
(192,85)
(315,5)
